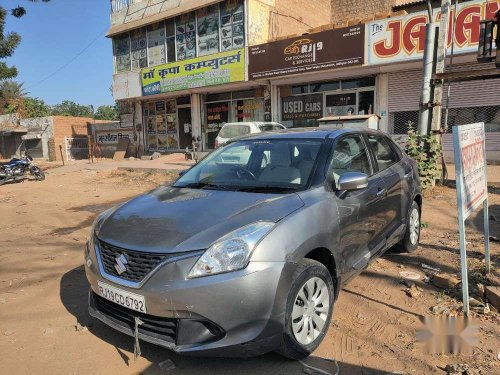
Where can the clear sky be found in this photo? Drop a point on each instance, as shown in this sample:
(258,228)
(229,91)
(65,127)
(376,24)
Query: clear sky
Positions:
(53,34)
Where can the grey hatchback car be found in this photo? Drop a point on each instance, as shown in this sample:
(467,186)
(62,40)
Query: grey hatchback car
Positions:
(247,251)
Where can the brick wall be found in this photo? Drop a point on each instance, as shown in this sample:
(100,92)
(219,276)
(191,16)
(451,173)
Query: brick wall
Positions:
(269,19)
(71,127)
(343,11)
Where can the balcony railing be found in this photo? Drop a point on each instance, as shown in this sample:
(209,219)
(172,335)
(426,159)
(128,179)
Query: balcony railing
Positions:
(117,5)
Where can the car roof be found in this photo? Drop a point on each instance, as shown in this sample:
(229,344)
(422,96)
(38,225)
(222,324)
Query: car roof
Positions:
(312,133)
(252,123)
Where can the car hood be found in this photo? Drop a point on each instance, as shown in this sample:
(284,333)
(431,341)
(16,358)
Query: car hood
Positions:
(170,220)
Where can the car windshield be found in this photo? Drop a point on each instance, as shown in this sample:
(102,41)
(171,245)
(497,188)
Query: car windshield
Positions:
(233,131)
(275,165)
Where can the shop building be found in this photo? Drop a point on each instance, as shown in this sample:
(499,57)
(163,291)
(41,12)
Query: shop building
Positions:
(181,66)
(375,66)
(184,71)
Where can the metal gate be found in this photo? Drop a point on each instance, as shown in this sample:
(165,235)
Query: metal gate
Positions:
(76,148)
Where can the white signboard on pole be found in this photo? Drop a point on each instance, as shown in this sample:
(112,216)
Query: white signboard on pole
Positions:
(472,189)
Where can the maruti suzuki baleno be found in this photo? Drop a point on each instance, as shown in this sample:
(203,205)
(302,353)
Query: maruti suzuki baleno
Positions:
(247,251)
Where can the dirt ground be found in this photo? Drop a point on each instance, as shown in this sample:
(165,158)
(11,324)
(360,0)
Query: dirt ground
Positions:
(43,292)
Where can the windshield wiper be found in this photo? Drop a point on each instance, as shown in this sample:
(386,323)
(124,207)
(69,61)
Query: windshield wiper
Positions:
(267,189)
(204,185)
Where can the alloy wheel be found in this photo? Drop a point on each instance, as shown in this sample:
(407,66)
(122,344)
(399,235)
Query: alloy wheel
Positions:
(414,226)
(310,310)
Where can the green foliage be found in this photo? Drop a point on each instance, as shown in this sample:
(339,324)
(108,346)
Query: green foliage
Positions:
(12,98)
(107,112)
(426,151)
(70,108)
(35,107)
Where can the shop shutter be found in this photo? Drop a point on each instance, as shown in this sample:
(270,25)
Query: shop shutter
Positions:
(404,91)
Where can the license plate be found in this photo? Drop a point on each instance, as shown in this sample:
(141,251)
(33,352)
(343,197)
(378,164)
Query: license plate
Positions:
(121,297)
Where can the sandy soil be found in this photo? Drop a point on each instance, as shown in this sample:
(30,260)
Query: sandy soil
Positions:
(43,291)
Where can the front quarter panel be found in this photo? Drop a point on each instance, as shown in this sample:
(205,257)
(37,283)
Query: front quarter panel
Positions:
(313,226)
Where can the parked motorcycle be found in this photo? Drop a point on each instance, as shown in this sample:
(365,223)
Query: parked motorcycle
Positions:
(18,169)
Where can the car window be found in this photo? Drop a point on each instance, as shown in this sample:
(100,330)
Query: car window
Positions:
(233,131)
(382,151)
(270,127)
(350,155)
(256,164)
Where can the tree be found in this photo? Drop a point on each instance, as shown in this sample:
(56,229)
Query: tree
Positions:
(36,107)
(106,112)
(10,41)
(12,97)
(70,108)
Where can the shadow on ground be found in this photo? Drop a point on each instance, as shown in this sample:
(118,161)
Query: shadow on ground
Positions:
(74,292)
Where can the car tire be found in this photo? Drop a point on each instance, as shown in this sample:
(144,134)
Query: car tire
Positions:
(411,239)
(314,273)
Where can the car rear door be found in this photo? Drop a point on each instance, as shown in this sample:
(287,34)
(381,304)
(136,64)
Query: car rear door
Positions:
(388,164)
(360,211)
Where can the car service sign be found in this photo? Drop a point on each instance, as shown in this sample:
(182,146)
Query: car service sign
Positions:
(337,48)
(472,190)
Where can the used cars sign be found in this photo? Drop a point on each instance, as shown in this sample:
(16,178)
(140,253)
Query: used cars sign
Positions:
(308,53)
(302,107)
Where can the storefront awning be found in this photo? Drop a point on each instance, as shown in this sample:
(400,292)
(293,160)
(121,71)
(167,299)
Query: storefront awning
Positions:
(183,7)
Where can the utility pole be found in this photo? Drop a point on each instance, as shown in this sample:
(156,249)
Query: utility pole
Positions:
(425,112)
(440,64)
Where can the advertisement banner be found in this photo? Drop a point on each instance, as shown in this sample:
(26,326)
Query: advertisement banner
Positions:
(302,107)
(403,38)
(336,48)
(217,69)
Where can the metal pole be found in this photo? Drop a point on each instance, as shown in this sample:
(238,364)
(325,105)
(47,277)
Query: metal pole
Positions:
(440,64)
(486,237)
(447,110)
(425,96)
(461,222)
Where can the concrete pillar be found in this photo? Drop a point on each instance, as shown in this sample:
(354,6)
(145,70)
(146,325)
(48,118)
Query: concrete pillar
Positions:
(275,103)
(382,100)
(196,116)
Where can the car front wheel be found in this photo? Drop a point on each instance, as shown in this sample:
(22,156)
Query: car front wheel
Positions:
(412,235)
(308,311)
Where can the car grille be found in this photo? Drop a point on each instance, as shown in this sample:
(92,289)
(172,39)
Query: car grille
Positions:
(164,329)
(138,265)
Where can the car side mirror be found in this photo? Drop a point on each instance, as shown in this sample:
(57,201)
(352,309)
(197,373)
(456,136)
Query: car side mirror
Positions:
(350,181)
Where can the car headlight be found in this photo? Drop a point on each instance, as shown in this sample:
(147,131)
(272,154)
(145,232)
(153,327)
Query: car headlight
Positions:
(231,252)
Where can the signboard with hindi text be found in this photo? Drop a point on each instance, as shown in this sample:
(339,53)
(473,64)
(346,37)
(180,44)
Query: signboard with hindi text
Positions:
(472,190)
(471,160)
(216,69)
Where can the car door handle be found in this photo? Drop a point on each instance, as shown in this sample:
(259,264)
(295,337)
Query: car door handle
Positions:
(407,174)
(382,193)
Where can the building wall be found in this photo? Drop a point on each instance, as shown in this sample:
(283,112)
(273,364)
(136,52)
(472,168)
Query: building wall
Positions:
(66,126)
(42,127)
(269,19)
(107,135)
(343,11)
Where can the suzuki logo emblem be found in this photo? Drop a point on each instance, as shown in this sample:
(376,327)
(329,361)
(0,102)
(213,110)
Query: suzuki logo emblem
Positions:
(121,264)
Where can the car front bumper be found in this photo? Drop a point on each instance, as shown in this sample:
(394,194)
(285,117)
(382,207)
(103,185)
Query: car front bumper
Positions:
(233,314)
